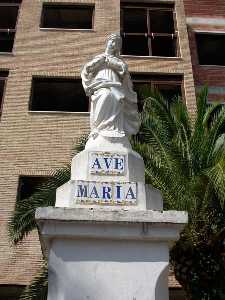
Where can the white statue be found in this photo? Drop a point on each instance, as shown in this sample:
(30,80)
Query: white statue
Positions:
(107,82)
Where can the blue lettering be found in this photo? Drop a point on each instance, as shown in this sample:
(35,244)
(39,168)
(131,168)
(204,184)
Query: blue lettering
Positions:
(130,194)
(118,191)
(119,163)
(106,192)
(82,191)
(94,193)
(108,161)
(96,164)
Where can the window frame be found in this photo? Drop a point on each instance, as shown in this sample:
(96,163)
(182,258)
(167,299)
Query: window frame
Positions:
(9,30)
(3,78)
(157,79)
(206,32)
(54,111)
(72,4)
(19,183)
(151,7)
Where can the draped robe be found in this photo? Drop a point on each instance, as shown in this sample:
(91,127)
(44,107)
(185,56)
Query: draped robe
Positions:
(113,101)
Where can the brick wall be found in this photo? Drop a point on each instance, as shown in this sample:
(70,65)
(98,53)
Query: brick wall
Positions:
(35,143)
(206,16)
(206,8)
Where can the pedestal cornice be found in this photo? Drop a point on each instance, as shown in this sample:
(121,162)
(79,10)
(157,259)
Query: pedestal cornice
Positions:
(83,223)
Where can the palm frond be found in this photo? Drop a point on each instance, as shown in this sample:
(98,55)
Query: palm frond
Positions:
(214,133)
(201,108)
(38,289)
(216,176)
(23,219)
(80,144)
(179,113)
(211,111)
(157,108)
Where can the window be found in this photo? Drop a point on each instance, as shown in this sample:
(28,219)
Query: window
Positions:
(3,77)
(8,19)
(170,86)
(28,185)
(215,93)
(211,48)
(11,292)
(177,294)
(148,30)
(67,16)
(58,94)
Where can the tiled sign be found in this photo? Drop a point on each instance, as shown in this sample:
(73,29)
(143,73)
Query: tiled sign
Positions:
(106,163)
(90,192)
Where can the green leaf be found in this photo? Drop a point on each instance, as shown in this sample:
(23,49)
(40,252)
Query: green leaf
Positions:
(38,289)
(22,222)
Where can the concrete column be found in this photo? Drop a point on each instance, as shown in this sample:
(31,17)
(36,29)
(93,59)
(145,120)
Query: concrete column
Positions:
(108,254)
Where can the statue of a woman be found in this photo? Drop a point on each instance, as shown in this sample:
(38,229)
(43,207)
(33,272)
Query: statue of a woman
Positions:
(113,102)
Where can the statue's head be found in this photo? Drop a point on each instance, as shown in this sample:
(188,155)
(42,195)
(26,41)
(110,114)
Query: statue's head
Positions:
(114,44)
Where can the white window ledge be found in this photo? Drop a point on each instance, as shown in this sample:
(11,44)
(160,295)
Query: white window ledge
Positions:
(85,113)
(67,29)
(151,57)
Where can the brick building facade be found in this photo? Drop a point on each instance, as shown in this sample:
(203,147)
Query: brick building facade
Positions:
(42,50)
(206,28)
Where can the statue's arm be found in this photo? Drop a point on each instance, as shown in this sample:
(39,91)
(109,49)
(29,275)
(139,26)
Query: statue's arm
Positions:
(96,63)
(118,65)
(88,73)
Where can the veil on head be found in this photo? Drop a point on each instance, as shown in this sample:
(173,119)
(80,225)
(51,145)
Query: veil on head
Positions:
(115,36)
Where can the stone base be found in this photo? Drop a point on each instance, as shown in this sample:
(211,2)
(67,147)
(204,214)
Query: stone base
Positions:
(116,180)
(113,255)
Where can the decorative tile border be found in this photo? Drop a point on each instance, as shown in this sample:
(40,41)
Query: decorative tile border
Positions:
(106,193)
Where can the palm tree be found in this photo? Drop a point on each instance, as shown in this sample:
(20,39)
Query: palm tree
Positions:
(185,160)
(38,289)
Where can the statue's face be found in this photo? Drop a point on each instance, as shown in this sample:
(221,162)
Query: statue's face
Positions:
(113,45)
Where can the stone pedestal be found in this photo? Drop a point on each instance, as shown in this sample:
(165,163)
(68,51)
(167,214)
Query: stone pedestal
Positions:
(108,237)
(108,254)
(106,179)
